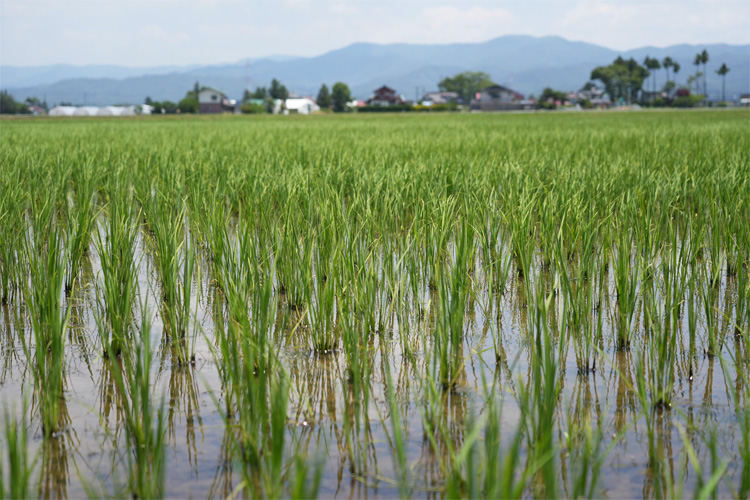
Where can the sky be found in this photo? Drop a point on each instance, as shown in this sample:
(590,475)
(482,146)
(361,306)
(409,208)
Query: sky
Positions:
(183,32)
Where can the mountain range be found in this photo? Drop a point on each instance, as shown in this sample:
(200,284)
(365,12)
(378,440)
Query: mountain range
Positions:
(525,63)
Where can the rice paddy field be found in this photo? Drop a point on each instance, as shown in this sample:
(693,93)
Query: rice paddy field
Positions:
(479,306)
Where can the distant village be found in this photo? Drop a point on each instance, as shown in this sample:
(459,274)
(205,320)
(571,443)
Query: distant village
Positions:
(622,84)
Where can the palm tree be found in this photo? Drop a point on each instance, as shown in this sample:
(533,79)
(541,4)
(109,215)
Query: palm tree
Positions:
(722,71)
(704,60)
(675,69)
(666,64)
(697,62)
(652,63)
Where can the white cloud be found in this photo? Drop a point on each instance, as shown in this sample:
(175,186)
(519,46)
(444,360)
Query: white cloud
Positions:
(608,13)
(475,24)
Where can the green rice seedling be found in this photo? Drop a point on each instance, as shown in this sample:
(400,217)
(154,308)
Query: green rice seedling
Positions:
(145,424)
(539,396)
(523,233)
(175,258)
(626,284)
(117,286)
(294,252)
(655,452)
(13,201)
(302,486)
(49,317)
(398,437)
(661,352)
(19,466)
(709,293)
(579,295)
(505,477)
(321,311)
(81,220)
(586,452)
(453,293)
(455,455)
(737,365)
(704,487)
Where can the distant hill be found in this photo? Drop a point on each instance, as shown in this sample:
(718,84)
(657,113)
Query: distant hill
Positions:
(526,63)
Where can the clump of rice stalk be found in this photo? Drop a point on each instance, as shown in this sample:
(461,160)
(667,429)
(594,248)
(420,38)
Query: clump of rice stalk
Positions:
(705,487)
(321,312)
(117,286)
(145,424)
(661,351)
(453,294)
(586,452)
(709,294)
(538,397)
(175,257)
(81,221)
(19,466)
(626,284)
(13,200)
(46,256)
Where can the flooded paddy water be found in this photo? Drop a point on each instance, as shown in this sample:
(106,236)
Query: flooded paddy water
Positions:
(462,306)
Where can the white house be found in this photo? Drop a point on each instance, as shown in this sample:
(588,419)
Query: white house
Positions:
(62,111)
(302,106)
(109,111)
(211,100)
(86,111)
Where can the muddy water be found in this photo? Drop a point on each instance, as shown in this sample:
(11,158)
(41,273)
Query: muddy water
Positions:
(87,456)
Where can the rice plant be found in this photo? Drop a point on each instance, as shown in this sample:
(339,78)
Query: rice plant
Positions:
(117,286)
(49,315)
(16,460)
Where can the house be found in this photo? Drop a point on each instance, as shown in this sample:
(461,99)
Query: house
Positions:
(497,98)
(385,96)
(37,110)
(431,98)
(745,100)
(211,100)
(62,111)
(109,111)
(86,111)
(597,97)
(302,106)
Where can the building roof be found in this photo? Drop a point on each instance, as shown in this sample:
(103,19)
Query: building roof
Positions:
(496,88)
(300,103)
(384,89)
(212,89)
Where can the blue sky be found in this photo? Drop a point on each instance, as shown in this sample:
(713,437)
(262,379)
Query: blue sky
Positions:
(160,32)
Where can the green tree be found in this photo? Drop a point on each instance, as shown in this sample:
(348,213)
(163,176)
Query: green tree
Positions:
(675,70)
(148,101)
(260,93)
(340,95)
(549,98)
(722,72)
(653,64)
(704,60)
(188,104)
(278,91)
(9,106)
(622,79)
(697,62)
(466,84)
(168,106)
(324,97)
(667,63)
